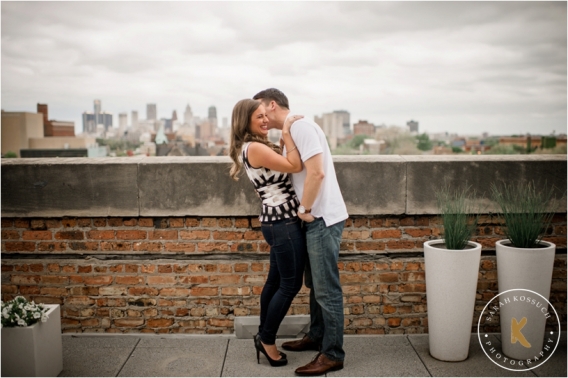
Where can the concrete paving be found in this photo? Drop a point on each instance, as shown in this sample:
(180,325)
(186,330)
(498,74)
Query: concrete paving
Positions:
(136,355)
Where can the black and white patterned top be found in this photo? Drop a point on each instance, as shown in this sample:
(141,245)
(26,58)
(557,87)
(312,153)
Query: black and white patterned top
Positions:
(279,200)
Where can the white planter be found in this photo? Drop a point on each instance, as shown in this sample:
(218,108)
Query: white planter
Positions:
(529,269)
(451,285)
(34,351)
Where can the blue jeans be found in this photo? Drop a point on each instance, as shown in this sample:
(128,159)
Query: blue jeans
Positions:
(287,262)
(326,296)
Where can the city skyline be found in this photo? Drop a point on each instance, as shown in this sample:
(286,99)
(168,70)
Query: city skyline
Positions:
(452,66)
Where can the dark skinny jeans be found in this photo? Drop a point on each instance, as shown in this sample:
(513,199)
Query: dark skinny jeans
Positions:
(287,261)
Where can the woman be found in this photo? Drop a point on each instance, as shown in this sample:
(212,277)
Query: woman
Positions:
(268,171)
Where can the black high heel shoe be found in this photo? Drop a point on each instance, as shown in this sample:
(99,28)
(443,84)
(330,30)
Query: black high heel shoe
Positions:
(260,349)
(257,336)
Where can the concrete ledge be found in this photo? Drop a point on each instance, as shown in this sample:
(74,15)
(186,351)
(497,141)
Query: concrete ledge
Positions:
(292,326)
(201,186)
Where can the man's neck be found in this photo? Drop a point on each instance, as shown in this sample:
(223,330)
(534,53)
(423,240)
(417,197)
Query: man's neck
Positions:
(281,118)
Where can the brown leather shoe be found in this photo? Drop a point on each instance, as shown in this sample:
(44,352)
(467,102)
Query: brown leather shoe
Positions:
(300,345)
(320,365)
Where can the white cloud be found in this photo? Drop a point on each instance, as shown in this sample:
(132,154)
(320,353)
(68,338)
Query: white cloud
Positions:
(455,66)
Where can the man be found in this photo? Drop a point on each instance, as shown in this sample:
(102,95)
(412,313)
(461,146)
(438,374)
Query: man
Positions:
(324,213)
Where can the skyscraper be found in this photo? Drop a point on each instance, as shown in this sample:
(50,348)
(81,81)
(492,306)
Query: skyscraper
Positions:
(122,120)
(334,125)
(188,115)
(213,117)
(134,118)
(151,112)
(412,126)
(98,117)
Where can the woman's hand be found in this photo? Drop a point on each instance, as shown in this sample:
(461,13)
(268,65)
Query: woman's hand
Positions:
(289,121)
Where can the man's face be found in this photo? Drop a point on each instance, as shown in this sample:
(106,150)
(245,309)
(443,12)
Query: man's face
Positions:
(270,107)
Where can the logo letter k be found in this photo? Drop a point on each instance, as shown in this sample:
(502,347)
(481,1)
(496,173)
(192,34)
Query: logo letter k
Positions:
(516,334)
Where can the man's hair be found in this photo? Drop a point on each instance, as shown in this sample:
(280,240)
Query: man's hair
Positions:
(273,94)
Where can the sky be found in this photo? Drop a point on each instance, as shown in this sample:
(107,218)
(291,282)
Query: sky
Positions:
(457,67)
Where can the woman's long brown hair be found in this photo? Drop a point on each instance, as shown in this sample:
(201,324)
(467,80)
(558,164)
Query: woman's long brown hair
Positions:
(240,133)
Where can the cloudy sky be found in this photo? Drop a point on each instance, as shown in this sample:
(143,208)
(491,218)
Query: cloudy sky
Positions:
(464,67)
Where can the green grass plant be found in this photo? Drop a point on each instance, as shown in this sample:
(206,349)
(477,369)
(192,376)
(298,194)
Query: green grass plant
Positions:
(525,210)
(459,217)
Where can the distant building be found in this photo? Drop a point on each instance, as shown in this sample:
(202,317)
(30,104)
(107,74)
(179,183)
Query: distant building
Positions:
(334,126)
(364,128)
(122,121)
(412,126)
(151,112)
(98,117)
(134,119)
(52,128)
(212,118)
(188,116)
(18,128)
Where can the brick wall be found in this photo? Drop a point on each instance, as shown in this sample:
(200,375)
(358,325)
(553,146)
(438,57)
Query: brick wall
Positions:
(194,275)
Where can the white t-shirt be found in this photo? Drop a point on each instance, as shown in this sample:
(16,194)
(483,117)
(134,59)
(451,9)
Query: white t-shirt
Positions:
(310,140)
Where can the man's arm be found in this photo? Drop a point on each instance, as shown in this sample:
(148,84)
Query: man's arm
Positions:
(312,185)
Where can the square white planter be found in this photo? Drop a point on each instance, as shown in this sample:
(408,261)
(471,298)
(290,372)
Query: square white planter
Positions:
(34,351)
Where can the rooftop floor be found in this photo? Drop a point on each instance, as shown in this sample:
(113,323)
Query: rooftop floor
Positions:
(226,356)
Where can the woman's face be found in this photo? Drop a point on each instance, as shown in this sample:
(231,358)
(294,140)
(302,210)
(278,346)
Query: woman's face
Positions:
(259,122)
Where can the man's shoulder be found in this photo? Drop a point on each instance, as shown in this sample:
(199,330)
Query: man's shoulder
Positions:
(304,124)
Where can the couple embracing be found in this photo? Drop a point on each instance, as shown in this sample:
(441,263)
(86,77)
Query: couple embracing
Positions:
(302,219)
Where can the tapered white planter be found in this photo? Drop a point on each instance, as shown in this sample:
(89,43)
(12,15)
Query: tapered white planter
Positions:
(451,285)
(529,269)
(34,351)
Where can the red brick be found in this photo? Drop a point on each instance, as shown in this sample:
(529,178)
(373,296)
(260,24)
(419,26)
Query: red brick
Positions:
(257,267)
(376,222)
(130,222)
(11,234)
(128,322)
(7,222)
(163,234)
(227,235)
(98,280)
(137,291)
(208,222)
(242,223)
(158,323)
(388,277)
(130,235)
(241,267)
(370,246)
(129,280)
(55,279)
(115,222)
(165,268)
(180,247)
(54,291)
(7,268)
(20,246)
(84,222)
(101,269)
(393,322)
(255,223)
(225,222)
(131,268)
(224,279)
(145,222)
(360,222)
(192,222)
(54,246)
(226,323)
(115,246)
(147,268)
(417,232)
(79,301)
(99,222)
(194,279)
(212,247)
(204,291)
(410,288)
(412,276)
(412,266)
(100,235)
(403,244)
(174,292)
(253,235)
(386,234)
(176,222)
(147,247)
(36,267)
(69,235)
(84,269)
(407,221)
(116,268)
(195,235)
(28,290)
(244,247)
(160,280)
(22,223)
(84,246)
(69,222)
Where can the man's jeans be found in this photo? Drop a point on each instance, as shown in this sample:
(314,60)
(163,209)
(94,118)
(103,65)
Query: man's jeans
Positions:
(287,262)
(326,297)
